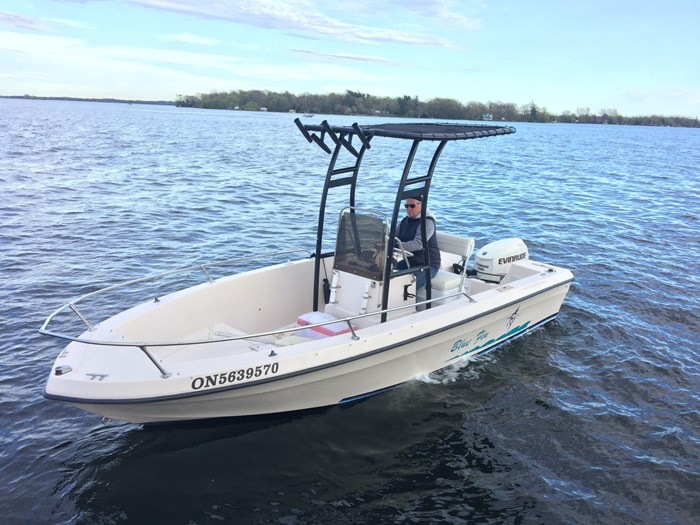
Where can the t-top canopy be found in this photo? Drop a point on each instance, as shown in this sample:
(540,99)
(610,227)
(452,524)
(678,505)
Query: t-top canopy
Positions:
(412,130)
(436,131)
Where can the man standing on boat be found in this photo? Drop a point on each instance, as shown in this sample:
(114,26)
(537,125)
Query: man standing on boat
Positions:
(411,238)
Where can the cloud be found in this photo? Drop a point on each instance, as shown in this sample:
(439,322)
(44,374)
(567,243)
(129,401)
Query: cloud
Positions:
(50,65)
(74,50)
(71,23)
(447,12)
(444,10)
(16,21)
(21,22)
(166,56)
(291,15)
(340,56)
(38,44)
(188,38)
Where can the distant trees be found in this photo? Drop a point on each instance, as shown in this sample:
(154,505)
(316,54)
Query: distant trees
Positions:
(443,108)
(358,103)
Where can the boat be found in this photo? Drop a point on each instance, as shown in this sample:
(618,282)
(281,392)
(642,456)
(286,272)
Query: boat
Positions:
(313,329)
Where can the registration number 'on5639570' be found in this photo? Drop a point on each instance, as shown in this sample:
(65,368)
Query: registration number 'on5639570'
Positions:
(235,376)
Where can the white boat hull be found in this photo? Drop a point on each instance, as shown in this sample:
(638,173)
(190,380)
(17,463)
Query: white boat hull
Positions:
(313,374)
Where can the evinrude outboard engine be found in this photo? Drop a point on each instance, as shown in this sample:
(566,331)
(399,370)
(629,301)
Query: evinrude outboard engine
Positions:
(495,259)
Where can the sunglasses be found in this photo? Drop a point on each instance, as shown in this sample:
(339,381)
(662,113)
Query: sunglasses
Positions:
(409,206)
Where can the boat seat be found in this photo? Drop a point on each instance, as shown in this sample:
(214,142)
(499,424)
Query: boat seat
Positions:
(445,280)
(454,249)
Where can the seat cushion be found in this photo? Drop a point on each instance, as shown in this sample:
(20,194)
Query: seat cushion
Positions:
(445,280)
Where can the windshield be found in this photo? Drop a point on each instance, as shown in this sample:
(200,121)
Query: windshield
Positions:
(360,245)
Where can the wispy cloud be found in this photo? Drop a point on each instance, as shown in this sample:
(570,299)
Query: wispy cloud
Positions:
(21,22)
(189,38)
(291,15)
(71,23)
(48,65)
(340,56)
(63,48)
(448,13)
(42,25)
(201,61)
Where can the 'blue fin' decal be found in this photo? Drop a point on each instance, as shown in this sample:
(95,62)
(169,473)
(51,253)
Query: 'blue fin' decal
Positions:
(515,331)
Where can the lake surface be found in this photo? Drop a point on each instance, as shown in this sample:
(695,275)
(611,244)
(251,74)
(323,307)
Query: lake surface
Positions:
(593,418)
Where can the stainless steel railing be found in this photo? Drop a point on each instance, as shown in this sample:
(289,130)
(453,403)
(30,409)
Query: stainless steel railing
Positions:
(144,345)
(72,305)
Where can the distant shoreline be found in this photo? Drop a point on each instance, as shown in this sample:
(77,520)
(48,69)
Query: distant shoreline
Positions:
(210,102)
(78,99)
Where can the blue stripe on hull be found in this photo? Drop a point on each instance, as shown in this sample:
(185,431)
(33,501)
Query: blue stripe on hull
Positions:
(366,395)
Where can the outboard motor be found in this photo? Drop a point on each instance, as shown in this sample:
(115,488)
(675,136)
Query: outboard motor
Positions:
(495,259)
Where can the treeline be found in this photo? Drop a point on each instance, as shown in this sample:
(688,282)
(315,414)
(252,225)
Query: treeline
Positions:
(79,99)
(357,103)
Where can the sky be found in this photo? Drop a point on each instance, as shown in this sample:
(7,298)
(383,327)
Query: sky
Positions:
(637,57)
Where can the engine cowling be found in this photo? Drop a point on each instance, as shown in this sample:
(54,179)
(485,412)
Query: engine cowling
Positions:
(494,260)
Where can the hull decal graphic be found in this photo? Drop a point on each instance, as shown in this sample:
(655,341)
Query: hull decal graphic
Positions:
(476,349)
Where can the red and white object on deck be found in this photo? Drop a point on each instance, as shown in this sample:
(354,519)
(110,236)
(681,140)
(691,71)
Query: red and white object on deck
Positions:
(319,332)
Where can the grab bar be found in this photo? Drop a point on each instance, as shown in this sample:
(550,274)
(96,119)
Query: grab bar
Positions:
(258,335)
(203,267)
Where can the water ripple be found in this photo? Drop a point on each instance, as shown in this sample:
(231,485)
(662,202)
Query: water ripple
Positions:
(592,418)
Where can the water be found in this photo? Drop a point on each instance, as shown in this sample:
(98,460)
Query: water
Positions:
(591,419)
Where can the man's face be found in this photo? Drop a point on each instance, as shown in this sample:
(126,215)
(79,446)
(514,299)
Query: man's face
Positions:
(412,208)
